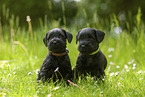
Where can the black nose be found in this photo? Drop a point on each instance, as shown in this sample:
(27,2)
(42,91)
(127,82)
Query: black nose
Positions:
(83,45)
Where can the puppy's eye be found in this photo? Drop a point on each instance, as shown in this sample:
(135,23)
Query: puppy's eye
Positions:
(60,36)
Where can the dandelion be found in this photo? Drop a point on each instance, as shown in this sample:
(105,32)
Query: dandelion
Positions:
(117,66)
(111,74)
(111,50)
(56,88)
(109,56)
(117,30)
(37,71)
(29,73)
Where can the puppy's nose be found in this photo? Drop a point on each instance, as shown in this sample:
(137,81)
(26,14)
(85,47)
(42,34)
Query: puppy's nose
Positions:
(83,45)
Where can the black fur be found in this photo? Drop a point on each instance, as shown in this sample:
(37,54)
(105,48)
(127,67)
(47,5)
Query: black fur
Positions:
(56,67)
(95,64)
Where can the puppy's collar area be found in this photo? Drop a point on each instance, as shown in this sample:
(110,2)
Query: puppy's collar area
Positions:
(95,52)
(59,54)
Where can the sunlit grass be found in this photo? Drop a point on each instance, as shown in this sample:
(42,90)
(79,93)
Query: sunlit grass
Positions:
(22,55)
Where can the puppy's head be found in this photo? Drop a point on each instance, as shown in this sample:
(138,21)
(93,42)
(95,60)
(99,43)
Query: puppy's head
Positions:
(55,40)
(89,40)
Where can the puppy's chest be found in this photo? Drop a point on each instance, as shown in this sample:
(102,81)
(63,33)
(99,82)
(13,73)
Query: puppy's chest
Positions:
(90,62)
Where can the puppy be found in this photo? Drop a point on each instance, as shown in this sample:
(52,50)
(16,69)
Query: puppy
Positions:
(90,60)
(56,65)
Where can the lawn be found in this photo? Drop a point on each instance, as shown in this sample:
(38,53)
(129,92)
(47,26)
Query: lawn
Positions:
(22,53)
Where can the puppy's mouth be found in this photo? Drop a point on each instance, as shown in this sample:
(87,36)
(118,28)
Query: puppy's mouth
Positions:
(86,49)
(56,47)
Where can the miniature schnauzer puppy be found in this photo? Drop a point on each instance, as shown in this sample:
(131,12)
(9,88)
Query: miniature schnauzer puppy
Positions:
(56,65)
(90,60)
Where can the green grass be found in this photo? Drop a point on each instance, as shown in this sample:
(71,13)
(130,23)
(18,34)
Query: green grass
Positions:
(21,56)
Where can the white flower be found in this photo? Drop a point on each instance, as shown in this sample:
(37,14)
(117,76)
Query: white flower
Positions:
(117,66)
(140,78)
(125,66)
(14,72)
(109,56)
(111,63)
(0,67)
(49,95)
(56,88)
(139,71)
(118,83)
(116,73)
(8,65)
(56,69)
(134,65)
(122,78)
(111,74)
(133,68)
(28,19)
(117,30)
(9,75)
(127,70)
(101,92)
(35,57)
(29,73)
(129,63)
(37,92)
(37,71)
(111,50)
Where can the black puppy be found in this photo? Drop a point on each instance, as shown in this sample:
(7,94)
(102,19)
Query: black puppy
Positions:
(90,60)
(57,63)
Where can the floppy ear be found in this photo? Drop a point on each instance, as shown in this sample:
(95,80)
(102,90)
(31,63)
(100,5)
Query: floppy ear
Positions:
(99,35)
(45,39)
(69,36)
(77,37)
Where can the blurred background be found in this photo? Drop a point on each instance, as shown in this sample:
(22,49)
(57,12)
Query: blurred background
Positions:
(70,12)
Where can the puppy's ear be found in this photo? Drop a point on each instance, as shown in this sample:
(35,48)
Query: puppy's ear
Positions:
(77,37)
(45,39)
(69,36)
(99,35)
